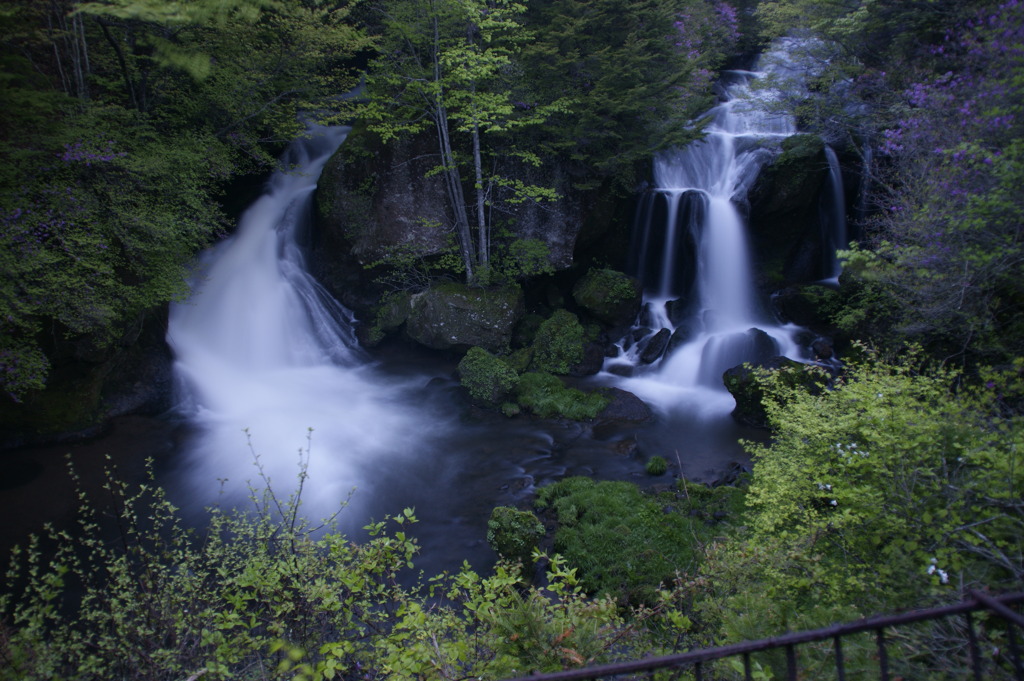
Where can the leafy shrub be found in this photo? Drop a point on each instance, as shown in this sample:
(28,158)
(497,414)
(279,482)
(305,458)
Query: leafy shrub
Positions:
(488,378)
(546,396)
(163,603)
(514,534)
(656,465)
(558,343)
(262,589)
(872,497)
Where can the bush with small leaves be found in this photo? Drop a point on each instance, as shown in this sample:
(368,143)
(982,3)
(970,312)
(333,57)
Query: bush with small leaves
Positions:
(558,344)
(514,534)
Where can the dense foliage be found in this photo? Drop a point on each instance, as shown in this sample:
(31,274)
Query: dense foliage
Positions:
(624,542)
(264,594)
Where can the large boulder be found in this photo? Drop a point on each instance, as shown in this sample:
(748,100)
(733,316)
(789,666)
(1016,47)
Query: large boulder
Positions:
(624,408)
(610,296)
(456,316)
(785,217)
(742,382)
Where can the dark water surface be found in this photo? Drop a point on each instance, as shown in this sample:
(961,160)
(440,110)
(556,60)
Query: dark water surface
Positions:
(453,481)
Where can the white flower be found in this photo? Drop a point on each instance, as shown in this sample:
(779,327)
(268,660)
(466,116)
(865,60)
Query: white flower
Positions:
(834,502)
(934,569)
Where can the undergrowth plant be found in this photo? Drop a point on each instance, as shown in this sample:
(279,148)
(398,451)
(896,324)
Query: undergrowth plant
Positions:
(263,593)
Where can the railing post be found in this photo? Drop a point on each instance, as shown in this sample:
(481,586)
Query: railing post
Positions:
(840,665)
(747,673)
(791,662)
(883,655)
(1011,639)
(972,643)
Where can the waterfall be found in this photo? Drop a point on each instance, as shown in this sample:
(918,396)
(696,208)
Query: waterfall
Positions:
(833,218)
(691,253)
(261,346)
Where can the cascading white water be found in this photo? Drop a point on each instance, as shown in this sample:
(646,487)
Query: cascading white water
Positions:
(261,346)
(723,326)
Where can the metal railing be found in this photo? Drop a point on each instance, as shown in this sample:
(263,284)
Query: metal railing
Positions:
(694,663)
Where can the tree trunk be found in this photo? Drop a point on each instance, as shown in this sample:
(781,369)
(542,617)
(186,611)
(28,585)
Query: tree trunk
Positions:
(483,237)
(453,180)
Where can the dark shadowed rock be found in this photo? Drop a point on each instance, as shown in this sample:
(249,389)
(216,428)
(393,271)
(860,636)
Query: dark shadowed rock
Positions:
(676,311)
(822,348)
(765,347)
(457,316)
(680,336)
(809,305)
(784,212)
(625,407)
(655,347)
(593,360)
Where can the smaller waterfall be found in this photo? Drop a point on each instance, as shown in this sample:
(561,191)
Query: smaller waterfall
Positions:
(833,217)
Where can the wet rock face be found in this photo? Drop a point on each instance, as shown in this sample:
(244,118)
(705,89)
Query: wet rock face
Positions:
(376,198)
(377,201)
(455,316)
(655,347)
(784,212)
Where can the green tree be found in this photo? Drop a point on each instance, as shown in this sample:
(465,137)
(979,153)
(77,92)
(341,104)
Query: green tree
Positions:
(635,71)
(446,66)
(899,486)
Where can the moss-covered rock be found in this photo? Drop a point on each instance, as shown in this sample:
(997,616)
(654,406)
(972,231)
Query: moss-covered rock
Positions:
(546,396)
(558,344)
(488,379)
(514,534)
(611,296)
(450,315)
